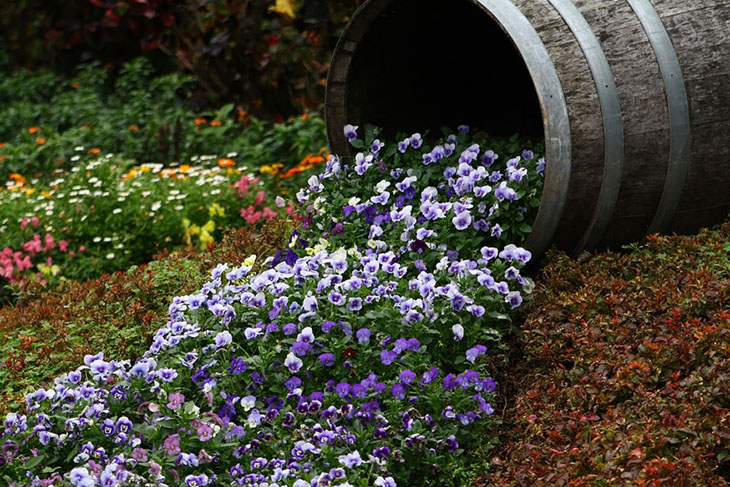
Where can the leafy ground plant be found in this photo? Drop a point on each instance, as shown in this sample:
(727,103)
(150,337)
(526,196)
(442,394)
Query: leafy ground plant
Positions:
(626,370)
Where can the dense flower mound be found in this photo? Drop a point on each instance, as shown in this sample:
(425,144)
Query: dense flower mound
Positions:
(627,370)
(417,197)
(354,364)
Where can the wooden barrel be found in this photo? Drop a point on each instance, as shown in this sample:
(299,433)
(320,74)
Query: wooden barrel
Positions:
(631,96)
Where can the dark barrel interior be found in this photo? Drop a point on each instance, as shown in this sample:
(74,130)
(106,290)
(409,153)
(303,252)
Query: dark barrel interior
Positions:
(426,64)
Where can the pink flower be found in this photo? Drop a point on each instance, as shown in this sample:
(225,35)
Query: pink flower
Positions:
(172,444)
(23,224)
(33,246)
(205,432)
(243,185)
(82,248)
(260,198)
(203,457)
(268,214)
(50,244)
(94,467)
(34,221)
(251,215)
(7,270)
(22,263)
(62,245)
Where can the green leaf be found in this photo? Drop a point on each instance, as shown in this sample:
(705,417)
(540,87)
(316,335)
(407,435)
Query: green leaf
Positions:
(34,461)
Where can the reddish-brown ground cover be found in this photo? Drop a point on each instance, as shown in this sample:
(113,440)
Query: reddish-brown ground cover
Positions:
(625,373)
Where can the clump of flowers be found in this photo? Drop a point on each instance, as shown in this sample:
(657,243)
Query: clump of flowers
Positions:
(457,194)
(352,365)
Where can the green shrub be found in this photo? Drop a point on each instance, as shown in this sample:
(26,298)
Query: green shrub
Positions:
(44,118)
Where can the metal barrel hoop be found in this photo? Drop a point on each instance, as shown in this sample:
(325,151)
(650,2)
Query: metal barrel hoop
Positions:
(678,108)
(612,121)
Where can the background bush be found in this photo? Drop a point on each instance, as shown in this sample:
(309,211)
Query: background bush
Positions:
(44,117)
(270,55)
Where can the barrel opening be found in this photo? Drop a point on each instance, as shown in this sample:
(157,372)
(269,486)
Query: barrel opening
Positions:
(435,63)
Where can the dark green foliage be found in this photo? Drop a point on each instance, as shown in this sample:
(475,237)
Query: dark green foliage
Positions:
(136,115)
(274,61)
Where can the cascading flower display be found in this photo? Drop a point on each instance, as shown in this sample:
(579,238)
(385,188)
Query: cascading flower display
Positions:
(360,362)
(425,201)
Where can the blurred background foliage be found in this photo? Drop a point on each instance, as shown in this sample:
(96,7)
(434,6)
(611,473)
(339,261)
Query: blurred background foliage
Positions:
(269,56)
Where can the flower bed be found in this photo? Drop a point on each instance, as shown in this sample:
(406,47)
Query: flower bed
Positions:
(105,214)
(363,361)
(136,115)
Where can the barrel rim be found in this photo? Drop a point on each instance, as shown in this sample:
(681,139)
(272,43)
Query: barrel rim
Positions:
(556,121)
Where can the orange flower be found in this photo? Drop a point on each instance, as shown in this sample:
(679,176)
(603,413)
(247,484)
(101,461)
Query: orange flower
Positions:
(310,160)
(133,127)
(17,178)
(2,158)
(2,146)
(185,168)
(305,162)
(75,85)
(216,123)
(94,150)
(86,126)
(40,141)
(33,130)
(200,121)
(225,162)
(291,172)
(304,116)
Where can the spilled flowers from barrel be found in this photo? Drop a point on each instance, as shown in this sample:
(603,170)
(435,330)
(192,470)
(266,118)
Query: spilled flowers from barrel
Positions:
(357,356)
